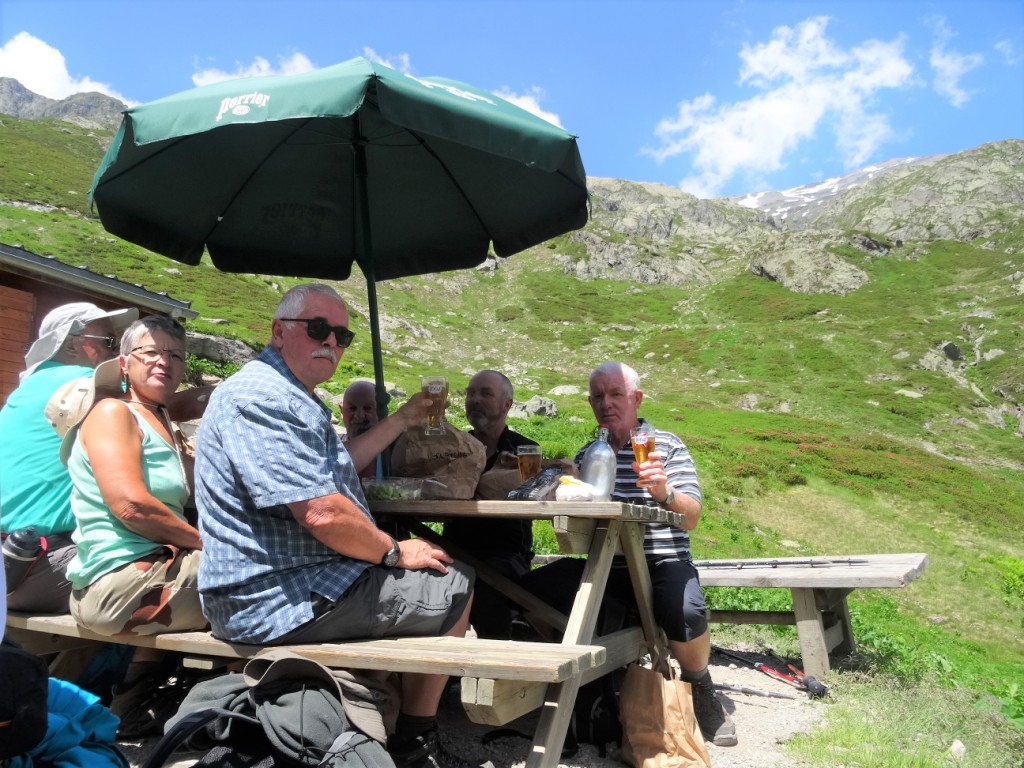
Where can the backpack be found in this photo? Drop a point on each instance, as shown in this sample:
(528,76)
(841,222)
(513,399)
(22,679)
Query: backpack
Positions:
(23,700)
(595,715)
(282,725)
(248,748)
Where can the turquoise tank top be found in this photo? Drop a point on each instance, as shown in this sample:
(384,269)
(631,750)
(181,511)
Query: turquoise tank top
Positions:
(104,543)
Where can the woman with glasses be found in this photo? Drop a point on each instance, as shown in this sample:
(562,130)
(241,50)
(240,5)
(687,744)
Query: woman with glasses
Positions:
(138,554)
(135,571)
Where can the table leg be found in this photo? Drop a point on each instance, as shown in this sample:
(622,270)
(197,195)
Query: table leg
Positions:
(632,538)
(560,698)
(811,631)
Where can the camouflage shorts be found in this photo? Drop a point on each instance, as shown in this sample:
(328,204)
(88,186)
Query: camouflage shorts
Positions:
(157,593)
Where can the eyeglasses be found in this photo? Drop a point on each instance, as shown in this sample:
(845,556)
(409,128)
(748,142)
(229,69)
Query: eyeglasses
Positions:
(109,341)
(150,355)
(318,329)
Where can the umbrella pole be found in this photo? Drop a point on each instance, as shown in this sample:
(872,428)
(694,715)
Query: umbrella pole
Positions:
(366,264)
(383,398)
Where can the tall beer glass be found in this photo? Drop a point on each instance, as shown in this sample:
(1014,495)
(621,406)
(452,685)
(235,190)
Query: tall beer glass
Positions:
(529,457)
(642,439)
(436,389)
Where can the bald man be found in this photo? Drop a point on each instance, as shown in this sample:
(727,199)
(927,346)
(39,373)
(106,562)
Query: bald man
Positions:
(359,415)
(359,407)
(506,545)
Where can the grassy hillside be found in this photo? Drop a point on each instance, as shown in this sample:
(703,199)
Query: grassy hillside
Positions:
(819,424)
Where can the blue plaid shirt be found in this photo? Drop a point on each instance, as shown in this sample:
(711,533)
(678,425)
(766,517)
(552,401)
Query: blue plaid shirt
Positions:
(264,442)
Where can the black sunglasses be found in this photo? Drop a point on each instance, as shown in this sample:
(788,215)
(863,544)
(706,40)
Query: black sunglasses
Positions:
(318,329)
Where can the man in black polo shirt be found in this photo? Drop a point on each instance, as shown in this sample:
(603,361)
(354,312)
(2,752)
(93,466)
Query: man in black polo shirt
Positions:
(505,545)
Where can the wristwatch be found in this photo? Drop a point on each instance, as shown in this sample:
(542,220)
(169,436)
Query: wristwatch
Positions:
(390,559)
(666,503)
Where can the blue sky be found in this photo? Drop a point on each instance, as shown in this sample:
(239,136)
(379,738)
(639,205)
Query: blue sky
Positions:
(714,96)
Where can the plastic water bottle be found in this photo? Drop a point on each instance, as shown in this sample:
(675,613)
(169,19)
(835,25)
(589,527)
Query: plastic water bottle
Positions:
(21,549)
(598,467)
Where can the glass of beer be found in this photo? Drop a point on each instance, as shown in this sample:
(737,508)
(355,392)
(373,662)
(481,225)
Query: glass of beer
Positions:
(436,389)
(529,457)
(642,440)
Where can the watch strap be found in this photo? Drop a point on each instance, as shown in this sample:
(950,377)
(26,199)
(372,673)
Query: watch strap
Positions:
(669,498)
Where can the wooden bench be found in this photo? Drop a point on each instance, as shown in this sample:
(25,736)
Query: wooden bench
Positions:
(819,587)
(528,662)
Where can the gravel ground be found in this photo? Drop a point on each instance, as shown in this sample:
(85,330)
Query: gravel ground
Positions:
(762,724)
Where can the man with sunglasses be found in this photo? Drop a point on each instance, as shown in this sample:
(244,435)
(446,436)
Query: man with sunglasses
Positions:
(35,489)
(291,553)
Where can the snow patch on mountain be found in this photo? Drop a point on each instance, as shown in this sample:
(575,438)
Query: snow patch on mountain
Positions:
(799,205)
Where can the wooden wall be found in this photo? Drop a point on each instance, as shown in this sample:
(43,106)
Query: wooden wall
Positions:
(17,331)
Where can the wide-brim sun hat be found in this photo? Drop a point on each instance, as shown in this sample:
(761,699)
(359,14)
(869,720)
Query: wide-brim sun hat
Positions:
(362,701)
(69,319)
(71,403)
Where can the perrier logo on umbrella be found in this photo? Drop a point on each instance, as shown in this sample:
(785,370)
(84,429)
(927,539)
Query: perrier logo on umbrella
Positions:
(240,105)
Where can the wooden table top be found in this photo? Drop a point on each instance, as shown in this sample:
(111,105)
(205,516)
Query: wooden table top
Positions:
(846,571)
(537,510)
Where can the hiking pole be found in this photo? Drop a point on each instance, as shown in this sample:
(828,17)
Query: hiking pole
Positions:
(764,668)
(752,691)
(815,688)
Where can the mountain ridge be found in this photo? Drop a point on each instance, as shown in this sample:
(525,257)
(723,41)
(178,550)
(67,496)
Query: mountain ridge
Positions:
(86,110)
(795,205)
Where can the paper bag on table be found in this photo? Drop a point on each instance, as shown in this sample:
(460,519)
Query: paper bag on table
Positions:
(659,727)
(501,478)
(453,462)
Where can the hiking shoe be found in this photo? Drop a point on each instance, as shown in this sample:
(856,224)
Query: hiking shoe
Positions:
(716,725)
(426,751)
(147,704)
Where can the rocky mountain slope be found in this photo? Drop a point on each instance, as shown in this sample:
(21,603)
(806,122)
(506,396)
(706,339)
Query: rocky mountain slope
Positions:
(86,110)
(655,234)
(650,233)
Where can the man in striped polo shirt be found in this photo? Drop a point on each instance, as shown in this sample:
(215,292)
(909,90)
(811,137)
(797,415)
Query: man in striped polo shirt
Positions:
(667,479)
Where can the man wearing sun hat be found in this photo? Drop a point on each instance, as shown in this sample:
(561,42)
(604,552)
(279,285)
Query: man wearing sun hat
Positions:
(35,489)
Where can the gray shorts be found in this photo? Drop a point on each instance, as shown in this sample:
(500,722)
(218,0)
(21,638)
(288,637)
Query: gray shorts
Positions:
(390,602)
(46,589)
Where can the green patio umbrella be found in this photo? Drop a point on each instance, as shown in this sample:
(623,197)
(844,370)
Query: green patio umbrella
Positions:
(303,175)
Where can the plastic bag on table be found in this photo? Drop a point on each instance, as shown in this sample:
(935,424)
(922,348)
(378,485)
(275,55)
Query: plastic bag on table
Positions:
(540,487)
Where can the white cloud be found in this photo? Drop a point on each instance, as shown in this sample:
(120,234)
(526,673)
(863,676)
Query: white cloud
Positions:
(803,79)
(43,70)
(401,62)
(1011,56)
(294,64)
(950,66)
(530,102)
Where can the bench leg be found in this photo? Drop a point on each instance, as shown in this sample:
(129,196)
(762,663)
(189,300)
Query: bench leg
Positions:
(811,631)
(839,632)
(549,738)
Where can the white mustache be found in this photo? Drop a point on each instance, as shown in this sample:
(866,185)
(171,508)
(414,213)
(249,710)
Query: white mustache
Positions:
(326,352)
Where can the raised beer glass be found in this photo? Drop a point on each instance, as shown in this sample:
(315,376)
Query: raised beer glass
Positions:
(529,457)
(436,389)
(642,440)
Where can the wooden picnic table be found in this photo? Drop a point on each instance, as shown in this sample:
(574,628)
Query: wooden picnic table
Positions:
(604,529)
(502,680)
